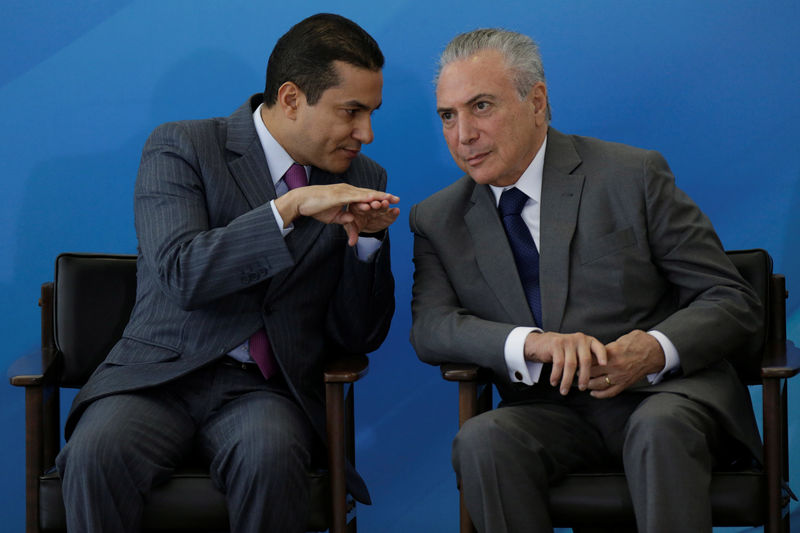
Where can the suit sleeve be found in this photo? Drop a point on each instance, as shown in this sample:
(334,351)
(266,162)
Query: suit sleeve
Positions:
(195,262)
(717,310)
(442,329)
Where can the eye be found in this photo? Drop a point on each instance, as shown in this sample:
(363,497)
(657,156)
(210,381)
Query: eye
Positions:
(482,105)
(446,116)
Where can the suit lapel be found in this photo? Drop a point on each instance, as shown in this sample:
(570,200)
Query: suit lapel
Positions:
(251,173)
(494,256)
(561,196)
(249,166)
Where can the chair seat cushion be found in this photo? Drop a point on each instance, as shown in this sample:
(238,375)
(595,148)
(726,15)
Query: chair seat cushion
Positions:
(188,501)
(602,499)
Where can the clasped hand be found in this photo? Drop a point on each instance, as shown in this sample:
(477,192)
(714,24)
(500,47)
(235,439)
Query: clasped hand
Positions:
(606,370)
(354,208)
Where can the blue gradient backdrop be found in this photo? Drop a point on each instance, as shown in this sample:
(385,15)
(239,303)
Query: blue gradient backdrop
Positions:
(713,85)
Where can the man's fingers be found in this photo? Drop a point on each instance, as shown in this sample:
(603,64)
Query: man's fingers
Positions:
(570,366)
(352,233)
(558,367)
(609,392)
(600,352)
(584,365)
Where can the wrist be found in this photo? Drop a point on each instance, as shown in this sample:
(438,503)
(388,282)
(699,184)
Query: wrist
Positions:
(288,209)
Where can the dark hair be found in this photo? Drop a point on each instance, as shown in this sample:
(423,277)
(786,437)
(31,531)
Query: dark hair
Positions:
(305,54)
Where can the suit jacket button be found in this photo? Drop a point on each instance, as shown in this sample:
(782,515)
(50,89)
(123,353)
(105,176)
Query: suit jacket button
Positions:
(518,375)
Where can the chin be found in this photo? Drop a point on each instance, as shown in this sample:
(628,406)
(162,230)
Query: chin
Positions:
(482,178)
(338,168)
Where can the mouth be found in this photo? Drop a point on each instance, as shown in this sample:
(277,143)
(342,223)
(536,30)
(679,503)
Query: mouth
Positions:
(476,159)
(351,153)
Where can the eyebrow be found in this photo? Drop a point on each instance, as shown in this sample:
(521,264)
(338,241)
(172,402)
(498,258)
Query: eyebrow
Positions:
(476,98)
(361,105)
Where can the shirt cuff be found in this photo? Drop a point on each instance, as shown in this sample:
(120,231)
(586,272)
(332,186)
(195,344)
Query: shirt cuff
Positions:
(279,220)
(367,247)
(671,357)
(520,370)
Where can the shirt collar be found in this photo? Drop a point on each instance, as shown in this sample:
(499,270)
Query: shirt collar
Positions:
(531,180)
(278,159)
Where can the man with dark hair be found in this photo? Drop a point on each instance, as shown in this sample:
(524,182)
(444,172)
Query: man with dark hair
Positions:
(594,290)
(262,251)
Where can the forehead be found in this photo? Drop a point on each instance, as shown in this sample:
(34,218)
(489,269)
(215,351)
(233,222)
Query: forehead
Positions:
(482,73)
(356,85)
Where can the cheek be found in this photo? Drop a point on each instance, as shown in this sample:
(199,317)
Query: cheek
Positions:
(451,138)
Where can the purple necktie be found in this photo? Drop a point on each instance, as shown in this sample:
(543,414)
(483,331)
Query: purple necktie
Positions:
(295,177)
(260,350)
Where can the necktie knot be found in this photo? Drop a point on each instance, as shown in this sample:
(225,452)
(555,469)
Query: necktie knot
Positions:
(512,201)
(295,177)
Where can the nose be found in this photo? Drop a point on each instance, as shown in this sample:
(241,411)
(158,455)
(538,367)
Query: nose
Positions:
(467,132)
(363,130)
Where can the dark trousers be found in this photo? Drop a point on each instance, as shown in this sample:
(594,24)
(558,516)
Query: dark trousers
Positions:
(255,436)
(507,458)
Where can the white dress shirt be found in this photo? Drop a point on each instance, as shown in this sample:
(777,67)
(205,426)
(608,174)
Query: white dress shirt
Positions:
(520,369)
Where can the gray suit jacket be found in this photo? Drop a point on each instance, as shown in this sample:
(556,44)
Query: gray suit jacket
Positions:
(622,248)
(213,268)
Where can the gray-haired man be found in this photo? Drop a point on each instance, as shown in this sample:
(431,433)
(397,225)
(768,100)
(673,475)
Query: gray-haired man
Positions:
(596,292)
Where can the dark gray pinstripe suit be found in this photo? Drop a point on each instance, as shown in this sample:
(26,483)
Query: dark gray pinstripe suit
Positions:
(213,267)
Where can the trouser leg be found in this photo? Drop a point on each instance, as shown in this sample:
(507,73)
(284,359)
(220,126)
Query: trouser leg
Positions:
(505,460)
(260,445)
(121,446)
(668,457)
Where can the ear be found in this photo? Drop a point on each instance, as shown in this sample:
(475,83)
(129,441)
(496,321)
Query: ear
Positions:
(537,96)
(290,98)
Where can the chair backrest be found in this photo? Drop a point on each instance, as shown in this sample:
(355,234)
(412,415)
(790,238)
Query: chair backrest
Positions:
(755,266)
(93,295)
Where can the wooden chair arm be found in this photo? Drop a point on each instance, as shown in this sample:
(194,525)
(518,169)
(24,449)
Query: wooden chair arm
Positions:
(347,369)
(781,360)
(27,371)
(460,372)
(27,380)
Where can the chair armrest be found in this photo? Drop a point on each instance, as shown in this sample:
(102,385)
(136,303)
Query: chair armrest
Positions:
(781,359)
(27,380)
(347,369)
(27,371)
(461,372)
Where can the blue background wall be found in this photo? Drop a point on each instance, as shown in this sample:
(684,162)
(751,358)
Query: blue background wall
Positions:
(712,85)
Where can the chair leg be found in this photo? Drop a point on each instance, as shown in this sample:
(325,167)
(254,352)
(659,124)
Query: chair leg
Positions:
(772,453)
(467,408)
(33,455)
(334,397)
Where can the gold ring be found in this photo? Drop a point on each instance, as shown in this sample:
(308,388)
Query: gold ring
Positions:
(608,381)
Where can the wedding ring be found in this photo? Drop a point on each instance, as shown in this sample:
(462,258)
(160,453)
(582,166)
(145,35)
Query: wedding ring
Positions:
(608,381)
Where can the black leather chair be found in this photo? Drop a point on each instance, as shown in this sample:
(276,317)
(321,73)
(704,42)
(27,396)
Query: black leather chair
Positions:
(84,311)
(747,495)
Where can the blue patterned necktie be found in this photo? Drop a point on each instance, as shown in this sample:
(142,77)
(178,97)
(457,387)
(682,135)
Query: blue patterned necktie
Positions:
(526,256)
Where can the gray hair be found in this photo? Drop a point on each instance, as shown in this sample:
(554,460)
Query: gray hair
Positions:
(520,52)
